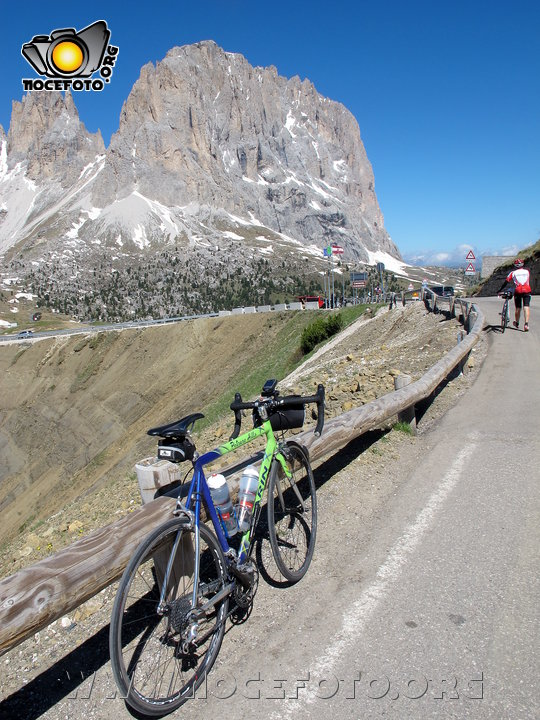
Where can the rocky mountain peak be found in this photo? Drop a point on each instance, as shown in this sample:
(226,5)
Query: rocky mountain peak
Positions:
(205,126)
(47,134)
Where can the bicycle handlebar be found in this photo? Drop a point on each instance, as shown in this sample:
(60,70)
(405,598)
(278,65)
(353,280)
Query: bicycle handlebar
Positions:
(272,404)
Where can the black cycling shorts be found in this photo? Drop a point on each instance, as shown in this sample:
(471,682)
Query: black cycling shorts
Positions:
(518,297)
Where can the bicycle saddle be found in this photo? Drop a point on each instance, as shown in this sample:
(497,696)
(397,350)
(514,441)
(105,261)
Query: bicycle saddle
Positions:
(177,430)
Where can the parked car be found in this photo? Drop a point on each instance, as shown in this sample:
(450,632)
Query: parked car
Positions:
(25,334)
(443,290)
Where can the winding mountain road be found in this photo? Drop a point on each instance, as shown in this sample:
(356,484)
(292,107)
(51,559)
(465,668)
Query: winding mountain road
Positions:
(446,621)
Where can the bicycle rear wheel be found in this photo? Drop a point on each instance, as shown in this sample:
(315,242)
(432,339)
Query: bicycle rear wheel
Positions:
(156,663)
(292,514)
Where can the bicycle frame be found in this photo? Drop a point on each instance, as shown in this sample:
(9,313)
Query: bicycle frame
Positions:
(199,492)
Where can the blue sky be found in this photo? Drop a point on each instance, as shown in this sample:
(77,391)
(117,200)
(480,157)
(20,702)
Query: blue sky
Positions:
(447,96)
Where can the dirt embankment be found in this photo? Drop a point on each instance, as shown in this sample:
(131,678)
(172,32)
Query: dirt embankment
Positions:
(490,286)
(76,411)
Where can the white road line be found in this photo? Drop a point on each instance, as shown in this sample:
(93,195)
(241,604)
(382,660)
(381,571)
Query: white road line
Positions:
(355,620)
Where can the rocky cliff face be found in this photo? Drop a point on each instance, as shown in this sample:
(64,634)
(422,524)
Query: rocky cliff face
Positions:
(47,136)
(216,163)
(205,127)
(492,284)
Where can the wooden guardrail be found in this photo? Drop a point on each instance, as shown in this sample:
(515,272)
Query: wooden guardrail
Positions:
(37,595)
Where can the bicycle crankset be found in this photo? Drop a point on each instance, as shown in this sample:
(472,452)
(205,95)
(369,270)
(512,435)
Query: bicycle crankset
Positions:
(243,597)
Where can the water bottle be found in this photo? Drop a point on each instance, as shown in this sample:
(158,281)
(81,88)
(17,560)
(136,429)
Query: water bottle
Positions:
(222,500)
(246,496)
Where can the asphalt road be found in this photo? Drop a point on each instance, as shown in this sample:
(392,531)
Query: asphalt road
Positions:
(437,614)
(446,623)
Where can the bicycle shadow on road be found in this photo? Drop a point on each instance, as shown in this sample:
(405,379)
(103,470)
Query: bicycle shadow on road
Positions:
(322,474)
(498,329)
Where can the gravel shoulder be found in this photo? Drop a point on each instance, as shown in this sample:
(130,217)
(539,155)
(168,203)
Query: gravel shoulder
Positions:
(63,671)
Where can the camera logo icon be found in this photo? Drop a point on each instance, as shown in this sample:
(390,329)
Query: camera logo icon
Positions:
(68,56)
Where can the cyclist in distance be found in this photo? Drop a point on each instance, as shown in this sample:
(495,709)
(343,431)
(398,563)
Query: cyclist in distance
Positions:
(520,276)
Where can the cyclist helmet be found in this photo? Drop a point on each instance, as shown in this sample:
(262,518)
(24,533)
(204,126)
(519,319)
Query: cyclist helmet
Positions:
(518,262)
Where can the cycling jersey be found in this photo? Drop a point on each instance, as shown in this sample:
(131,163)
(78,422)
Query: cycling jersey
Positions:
(521,280)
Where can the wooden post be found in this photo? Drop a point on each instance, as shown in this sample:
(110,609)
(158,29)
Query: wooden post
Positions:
(471,319)
(463,362)
(407,415)
(150,481)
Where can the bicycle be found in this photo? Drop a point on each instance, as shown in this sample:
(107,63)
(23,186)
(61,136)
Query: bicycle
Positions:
(172,603)
(505,314)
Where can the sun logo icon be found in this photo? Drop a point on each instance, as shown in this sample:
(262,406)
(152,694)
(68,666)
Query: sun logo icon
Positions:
(67,56)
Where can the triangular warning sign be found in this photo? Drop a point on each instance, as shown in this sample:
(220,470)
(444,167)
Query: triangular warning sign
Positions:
(470,268)
(470,255)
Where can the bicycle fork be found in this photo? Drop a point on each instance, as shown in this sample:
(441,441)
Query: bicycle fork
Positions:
(290,477)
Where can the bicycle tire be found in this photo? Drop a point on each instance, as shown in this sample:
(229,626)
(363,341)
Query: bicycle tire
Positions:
(505,316)
(153,670)
(292,525)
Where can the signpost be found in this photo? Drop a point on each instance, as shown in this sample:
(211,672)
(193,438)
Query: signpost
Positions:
(470,269)
(328,251)
(358,280)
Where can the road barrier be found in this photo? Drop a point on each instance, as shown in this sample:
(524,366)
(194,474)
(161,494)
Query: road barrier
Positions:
(41,593)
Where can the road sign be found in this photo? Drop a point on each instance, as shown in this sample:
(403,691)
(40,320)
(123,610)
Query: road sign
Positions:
(469,270)
(359,276)
(470,256)
(411,287)
(327,251)
(337,249)
(358,284)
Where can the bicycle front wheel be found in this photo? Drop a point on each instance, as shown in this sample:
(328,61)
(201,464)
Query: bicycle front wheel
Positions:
(160,659)
(504,316)
(292,514)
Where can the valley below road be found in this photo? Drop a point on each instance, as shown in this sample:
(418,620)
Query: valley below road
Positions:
(420,600)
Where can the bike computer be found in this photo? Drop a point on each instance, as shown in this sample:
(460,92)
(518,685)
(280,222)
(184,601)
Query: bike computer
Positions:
(269,388)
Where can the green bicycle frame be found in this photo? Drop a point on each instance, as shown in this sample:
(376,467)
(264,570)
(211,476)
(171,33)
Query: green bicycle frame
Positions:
(199,486)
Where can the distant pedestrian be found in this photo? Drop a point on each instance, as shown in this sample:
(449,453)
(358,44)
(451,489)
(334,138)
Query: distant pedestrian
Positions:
(521,279)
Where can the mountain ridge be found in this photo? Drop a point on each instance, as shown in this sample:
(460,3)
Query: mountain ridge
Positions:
(212,157)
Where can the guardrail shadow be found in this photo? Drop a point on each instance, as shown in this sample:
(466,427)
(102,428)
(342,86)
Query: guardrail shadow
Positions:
(322,473)
(63,680)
